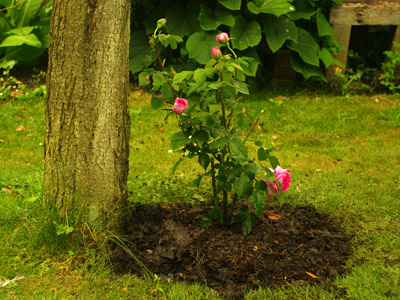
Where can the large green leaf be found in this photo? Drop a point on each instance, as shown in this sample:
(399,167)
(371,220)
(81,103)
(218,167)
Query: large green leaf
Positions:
(204,160)
(303,10)
(243,186)
(238,148)
(231,4)
(200,44)
(258,202)
(182,21)
(139,49)
(212,19)
(278,30)
(306,46)
(245,34)
(326,57)
(29,9)
(324,28)
(274,7)
(305,69)
(18,40)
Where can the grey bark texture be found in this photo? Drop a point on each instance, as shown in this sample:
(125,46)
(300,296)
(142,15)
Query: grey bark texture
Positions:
(87,117)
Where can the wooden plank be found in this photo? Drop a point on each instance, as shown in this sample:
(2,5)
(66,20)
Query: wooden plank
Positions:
(384,13)
(342,35)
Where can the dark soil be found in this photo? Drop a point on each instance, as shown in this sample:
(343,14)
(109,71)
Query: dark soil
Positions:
(294,245)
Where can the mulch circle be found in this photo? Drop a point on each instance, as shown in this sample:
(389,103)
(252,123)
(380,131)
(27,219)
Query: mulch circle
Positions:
(295,245)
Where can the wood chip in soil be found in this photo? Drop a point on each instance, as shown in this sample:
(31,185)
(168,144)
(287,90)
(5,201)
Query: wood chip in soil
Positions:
(301,247)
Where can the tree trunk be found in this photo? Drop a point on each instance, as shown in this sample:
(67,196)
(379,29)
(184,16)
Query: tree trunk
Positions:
(87,118)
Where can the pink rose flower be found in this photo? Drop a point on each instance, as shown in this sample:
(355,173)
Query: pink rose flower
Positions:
(283,177)
(179,105)
(222,38)
(216,52)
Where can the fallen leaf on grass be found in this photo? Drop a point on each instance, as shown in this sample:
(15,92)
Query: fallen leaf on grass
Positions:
(149,251)
(7,282)
(274,137)
(311,275)
(1,141)
(20,128)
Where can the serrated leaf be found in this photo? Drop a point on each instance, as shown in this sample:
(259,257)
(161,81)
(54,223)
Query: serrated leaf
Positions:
(324,28)
(238,148)
(252,170)
(303,10)
(156,102)
(200,136)
(262,154)
(278,30)
(261,185)
(181,21)
(259,202)
(326,57)
(274,7)
(179,77)
(306,47)
(241,87)
(243,186)
(219,143)
(211,19)
(245,34)
(246,227)
(200,44)
(273,161)
(178,139)
(231,4)
(200,76)
(204,160)
(305,69)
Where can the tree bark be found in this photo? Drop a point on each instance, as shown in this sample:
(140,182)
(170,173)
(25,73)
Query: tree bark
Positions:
(87,117)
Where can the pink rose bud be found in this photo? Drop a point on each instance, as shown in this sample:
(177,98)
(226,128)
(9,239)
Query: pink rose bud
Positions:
(179,105)
(161,22)
(283,177)
(216,52)
(222,38)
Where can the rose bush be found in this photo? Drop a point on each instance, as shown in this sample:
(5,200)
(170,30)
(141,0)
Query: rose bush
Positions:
(215,127)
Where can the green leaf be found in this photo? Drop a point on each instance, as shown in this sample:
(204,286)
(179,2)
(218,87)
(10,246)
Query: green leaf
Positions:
(306,46)
(274,7)
(305,69)
(18,40)
(278,30)
(245,34)
(177,164)
(259,202)
(326,57)
(179,77)
(212,19)
(241,87)
(139,50)
(200,76)
(303,10)
(28,11)
(181,21)
(262,154)
(219,143)
(21,31)
(273,161)
(238,148)
(231,4)
(252,170)
(168,39)
(243,186)
(246,227)
(200,136)
(156,102)
(144,77)
(204,160)
(178,139)
(261,185)
(200,44)
(324,28)
(250,56)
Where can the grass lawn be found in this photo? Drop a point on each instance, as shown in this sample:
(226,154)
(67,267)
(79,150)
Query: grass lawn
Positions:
(343,154)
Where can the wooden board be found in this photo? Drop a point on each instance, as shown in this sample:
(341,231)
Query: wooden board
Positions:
(366,13)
